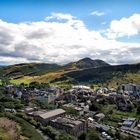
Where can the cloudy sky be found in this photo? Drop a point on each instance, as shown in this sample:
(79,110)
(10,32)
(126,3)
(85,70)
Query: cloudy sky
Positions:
(61,31)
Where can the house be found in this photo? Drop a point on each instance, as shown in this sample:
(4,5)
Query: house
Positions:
(130,88)
(10,110)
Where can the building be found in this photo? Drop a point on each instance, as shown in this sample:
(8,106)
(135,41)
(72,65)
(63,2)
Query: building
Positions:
(44,116)
(70,125)
(131,89)
(129,123)
(99,116)
(123,103)
(46,97)
(81,87)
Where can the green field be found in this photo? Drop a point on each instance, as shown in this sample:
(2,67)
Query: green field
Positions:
(117,115)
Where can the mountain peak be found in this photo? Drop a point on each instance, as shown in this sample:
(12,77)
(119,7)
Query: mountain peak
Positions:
(89,63)
(86,59)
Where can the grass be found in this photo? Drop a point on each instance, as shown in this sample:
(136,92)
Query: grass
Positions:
(0,82)
(4,135)
(127,78)
(28,131)
(116,116)
(45,78)
(121,114)
(25,80)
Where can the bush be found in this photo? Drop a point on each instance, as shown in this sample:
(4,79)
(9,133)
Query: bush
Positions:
(92,135)
(56,135)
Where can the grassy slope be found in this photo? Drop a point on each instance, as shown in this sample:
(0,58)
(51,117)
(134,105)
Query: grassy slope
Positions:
(4,135)
(109,76)
(31,69)
(27,130)
(127,78)
(113,82)
(45,78)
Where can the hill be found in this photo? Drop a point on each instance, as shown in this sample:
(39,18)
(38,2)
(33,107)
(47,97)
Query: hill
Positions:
(37,69)
(108,75)
(87,63)
(28,69)
(83,71)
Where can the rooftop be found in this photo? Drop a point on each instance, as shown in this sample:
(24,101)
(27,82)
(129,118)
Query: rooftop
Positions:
(51,113)
(67,121)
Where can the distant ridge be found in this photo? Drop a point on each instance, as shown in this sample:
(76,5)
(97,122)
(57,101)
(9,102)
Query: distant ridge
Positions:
(84,70)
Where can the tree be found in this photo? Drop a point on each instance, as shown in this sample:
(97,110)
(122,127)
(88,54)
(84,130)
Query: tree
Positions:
(95,107)
(82,136)
(138,109)
(5,81)
(1,108)
(110,133)
(93,135)
(34,85)
(118,134)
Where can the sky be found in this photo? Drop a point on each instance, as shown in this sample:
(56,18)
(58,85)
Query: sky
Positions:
(62,31)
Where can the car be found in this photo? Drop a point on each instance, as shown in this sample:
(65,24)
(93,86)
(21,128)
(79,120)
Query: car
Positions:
(108,137)
(104,134)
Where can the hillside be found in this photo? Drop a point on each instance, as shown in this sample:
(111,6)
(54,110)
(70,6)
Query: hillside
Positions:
(83,71)
(109,75)
(87,63)
(37,69)
(28,69)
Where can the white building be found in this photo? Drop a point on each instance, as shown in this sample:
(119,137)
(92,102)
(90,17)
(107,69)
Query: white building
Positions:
(130,88)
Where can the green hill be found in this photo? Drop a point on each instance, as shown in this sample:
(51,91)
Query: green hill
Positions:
(83,71)
(37,69)
(86,63)
(28,69)
(108,75)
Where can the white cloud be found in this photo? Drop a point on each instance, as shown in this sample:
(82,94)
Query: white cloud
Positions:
(60,16)
(97,13)
(125,27)
(60,42)
(104,23)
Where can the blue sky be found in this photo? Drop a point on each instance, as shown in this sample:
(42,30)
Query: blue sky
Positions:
(103,17)
(34,10)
